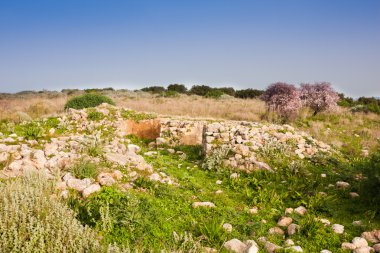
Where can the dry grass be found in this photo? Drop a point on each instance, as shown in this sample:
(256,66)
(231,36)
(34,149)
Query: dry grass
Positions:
(19,109)
(195,106)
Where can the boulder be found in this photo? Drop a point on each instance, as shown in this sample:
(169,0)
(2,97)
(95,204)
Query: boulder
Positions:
(338,229)
(359,242)
(301,210)
(293,228)
(105,179)
(90,190)
(235,245)
(285,221)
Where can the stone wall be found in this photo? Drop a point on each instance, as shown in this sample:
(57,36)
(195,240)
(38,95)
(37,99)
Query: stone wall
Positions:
(243,139)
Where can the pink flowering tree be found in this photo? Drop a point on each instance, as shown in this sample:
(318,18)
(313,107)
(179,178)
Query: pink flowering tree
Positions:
(319,96)
(282,98)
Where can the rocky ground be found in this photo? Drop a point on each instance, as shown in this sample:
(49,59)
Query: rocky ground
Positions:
(87,150)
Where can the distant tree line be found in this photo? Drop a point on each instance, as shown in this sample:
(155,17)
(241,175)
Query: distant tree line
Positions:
(204,90)
(279,96)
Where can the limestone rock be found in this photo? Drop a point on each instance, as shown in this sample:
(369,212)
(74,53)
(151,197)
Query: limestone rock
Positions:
(359,242)
(105,179)
(203,204)
(285,221)
(235,245)
(301,210)
(293,228)
(90,190)
(338,229)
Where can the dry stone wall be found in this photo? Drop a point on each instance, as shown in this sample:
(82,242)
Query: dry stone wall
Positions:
(243,139)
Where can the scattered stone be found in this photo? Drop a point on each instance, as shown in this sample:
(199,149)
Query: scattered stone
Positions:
(323,175)
(276,231)
(359,242)
(227,227)
(301,210)
(252,246)
(295,249)
(325,222)
(155,177)
(105,179)
(219,182)
(235,245)
(357,223)
(234,176)
(134,148)
(289,210)
(372,236)
(293,228)
(203,204)
(362,250)
(289,242)
(354,195)
(342,185)
(160,141)
(90,190)
(271,247)
(77,184)
(325,251)
(348,246)
(285,221)
(338,229)
(219,192)
(253,210)
(171,151)
(376,247)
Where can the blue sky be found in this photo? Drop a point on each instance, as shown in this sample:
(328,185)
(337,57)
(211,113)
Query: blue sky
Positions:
(55,44)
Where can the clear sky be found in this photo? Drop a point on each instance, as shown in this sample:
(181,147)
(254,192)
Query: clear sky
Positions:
(51,44)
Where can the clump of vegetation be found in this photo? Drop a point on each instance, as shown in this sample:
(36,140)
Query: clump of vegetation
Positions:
(31,130)
(31,220)
(84,169)
(200,90)
(282,98)
(214,93)
(171,94)
(319,96)
(215,160)
(136,116)
(180,88)
(154,89)
(88,100)
(248,93)
(95,115)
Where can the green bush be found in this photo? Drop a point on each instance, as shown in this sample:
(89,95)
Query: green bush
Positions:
(248,93)
(84,170)
(214,93)
(180,88)
(171,93)
(154,89)
(200,90)
(88,100)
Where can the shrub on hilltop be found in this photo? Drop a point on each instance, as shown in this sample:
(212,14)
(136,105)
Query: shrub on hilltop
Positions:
(319,96)
(200,90)
(180,88)
(88,100)
(248,93)
(282,98)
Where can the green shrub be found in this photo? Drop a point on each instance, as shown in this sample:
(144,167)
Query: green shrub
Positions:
(171,93)
(180,88)
(32,220)
(94,115)
(214,93)
(154,89)
(31,131)
(136,116)
(84,169)
(248,93)
(88,100)
(200,90)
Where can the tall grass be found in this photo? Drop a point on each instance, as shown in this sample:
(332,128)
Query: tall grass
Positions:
(34,220)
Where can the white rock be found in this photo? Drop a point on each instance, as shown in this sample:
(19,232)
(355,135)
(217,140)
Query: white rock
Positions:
(301,210)
(293,228)
(77,184)
(342,185)
(253,210)
(348,246)
(289,210)
(252,246)
(271,247)
(359,242)
(325,251)
(357,223)
(203,204)
(117,174)
(354,195)
(235,245)
(90,190)
(285,221)
(219,182)
(160,141)
(276,231)
(325,222)
(376,247)
(338,229)
(234,175)
(105,179)
(227,227)
(362,250)
(295,249)
(155,177)
(289,242)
